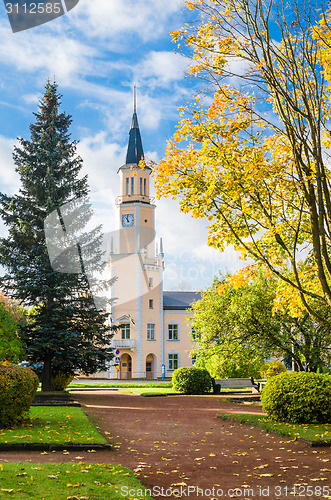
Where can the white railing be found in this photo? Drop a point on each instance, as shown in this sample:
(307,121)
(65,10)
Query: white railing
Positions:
(133,197)
(153,262)
(123,344)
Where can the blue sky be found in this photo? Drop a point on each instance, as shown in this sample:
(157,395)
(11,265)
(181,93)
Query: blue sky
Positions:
(96,53)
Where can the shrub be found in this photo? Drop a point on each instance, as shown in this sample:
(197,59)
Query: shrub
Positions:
(272,368)
(298,398)
(60,380)
(11,347)
(191,380)
(18,386)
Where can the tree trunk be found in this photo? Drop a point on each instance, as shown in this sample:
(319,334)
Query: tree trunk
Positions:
(46,377)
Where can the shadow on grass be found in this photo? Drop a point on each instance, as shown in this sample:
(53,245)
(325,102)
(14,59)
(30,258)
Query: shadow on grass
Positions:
(313,434)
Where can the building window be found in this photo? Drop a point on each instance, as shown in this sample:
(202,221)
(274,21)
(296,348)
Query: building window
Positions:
(145,187)
(173,331)
(141,186)
(195,335)
(173,361)
(150,302)
(150,331)
(125,331)
(150,282)
(194,358)
(127,185)
(132,185)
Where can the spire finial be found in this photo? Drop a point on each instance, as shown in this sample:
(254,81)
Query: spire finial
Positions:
(134,98)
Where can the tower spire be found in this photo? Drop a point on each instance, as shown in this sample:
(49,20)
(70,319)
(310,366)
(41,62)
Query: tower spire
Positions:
(135,151)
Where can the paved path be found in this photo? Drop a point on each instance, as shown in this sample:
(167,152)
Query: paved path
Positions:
(179,443)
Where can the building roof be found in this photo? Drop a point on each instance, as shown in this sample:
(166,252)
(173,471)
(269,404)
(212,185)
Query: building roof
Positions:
(179,301)
(135,151)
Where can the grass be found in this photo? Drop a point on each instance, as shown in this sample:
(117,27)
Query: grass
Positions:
(69,481)
(54,425)
(146,388)
(319,434)
(149,391)
(120,386)
(167,391)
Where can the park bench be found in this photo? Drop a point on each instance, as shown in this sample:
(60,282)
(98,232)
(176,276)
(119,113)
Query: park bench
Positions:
(234,383)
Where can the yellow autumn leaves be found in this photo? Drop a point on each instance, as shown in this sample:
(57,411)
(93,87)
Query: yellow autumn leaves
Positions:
(252,160)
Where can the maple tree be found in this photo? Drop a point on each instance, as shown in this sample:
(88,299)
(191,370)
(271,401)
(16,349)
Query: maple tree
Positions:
(237,327)
(251,154)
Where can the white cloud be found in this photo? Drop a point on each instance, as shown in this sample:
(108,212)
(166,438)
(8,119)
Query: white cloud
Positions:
(109,20)
(9,178)
(31,98)
(238,66)
(102,159)
(188,258)
(50,53)
(116,106)
(161,68)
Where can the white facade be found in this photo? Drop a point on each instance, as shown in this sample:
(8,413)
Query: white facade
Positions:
(154,337)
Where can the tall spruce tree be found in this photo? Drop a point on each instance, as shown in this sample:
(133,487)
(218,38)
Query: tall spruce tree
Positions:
(66,332)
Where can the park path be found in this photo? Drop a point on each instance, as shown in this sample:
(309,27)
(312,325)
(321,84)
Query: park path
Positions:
(179,443)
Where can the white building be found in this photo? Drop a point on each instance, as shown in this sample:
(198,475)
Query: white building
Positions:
(154,336)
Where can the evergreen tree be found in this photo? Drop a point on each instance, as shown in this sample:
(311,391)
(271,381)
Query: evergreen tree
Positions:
(66,331)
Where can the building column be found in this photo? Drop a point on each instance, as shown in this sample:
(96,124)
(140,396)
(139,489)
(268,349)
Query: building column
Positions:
(139,322)
(161,323)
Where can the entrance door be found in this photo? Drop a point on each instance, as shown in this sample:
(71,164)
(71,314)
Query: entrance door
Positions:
(126,367)
(150,366)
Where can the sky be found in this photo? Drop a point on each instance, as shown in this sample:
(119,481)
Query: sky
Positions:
(96,53)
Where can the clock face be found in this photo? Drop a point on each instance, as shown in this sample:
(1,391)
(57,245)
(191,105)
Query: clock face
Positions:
(127,220)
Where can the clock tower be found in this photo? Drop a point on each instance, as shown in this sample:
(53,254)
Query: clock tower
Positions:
(135,205)
(137,264)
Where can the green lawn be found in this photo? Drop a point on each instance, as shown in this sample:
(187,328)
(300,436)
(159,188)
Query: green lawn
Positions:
(310,432)
(158,390)
(21,481)
(119,385)
(148,391)
(59,425)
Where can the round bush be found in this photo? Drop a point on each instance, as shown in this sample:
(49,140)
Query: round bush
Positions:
(18,386)
(191,380)
(272,368)
(298,398)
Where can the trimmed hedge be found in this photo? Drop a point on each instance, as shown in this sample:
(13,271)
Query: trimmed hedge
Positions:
(191,380)
(60,380)
(298,398)
(18,386)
